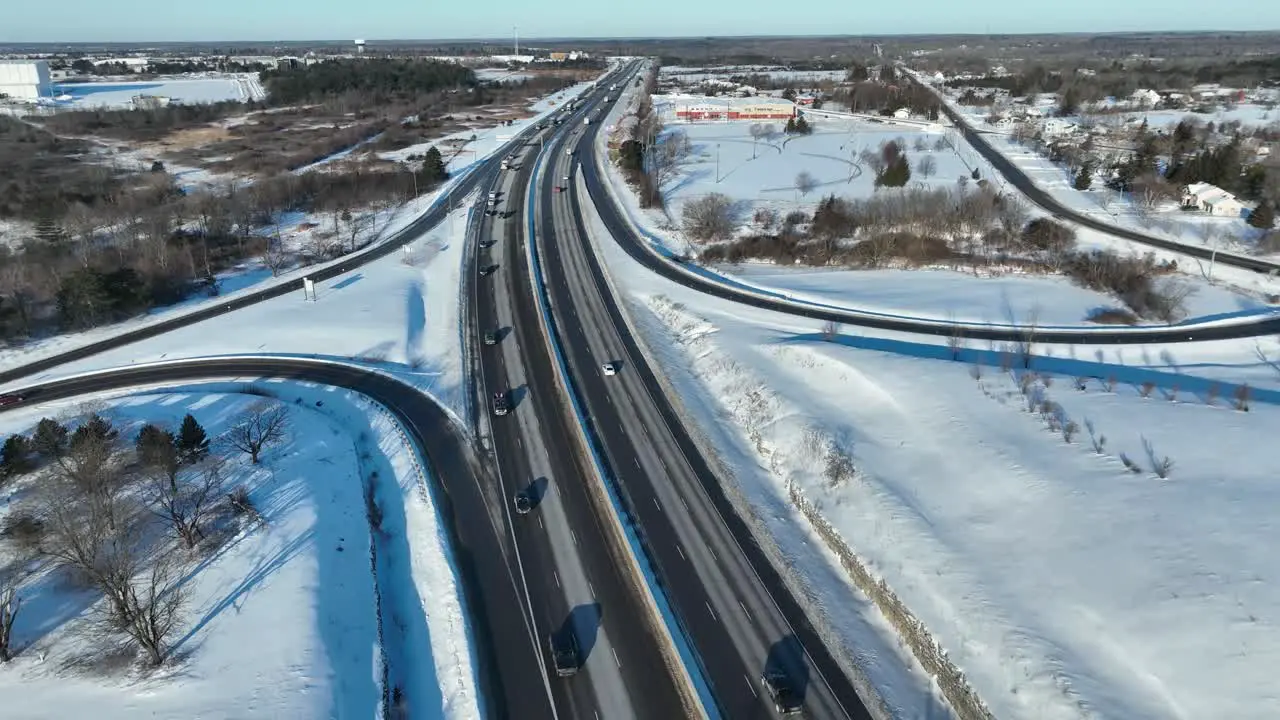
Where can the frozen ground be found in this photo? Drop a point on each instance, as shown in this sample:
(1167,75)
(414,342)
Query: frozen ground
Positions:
(762,183)
(1060,583)
(724,159)
(401,312)
(1247,114)
(303,581)
(186,90)
(1011,299)
(384,327)
(1167,221)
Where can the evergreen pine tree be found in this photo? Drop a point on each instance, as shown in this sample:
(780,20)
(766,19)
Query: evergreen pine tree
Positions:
(1084,178)
(15,456)
(155,446)
(1264,216)
(433,167)
(50,438)
(192,442)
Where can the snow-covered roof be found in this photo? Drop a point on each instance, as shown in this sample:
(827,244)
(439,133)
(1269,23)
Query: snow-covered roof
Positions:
(1207,193)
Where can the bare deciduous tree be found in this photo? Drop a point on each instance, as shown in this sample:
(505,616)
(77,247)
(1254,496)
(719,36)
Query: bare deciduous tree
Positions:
(187,501)
(710,217)
(805,182)
(955,338)
(274,255)
(665,157)
(153,606)
(262,425)
(10,603)
(927,167)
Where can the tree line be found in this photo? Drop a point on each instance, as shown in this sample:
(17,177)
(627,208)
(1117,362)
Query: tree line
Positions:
(127,517)
(155,246)
(382,78)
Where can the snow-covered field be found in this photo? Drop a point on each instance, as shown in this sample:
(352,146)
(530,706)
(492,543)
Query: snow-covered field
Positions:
(1059,582)
(283,618)
(1013,299)
(186,90)
(698,74)
(725,159)
(298,232)
(401,312)
(1249,115)
(1168,220)
(767,181)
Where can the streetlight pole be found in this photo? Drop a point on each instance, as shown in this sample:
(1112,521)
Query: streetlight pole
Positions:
(717,163)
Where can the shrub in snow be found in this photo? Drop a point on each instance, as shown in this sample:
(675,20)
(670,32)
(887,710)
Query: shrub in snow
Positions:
(709,218)
(1243,395)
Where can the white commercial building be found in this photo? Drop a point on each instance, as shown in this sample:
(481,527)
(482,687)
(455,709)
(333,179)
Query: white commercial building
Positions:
(24,79)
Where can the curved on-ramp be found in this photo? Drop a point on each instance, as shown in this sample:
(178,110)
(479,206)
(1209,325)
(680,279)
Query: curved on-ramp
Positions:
(508,658)
(642,250)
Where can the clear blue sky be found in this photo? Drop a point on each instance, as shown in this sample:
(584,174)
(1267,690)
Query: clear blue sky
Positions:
(153,20)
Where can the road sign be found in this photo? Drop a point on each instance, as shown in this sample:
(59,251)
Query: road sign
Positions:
(308,289)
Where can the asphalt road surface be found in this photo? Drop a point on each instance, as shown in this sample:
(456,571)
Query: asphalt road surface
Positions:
(508,649)
(731,603)
(1020,180)
(575,579)
(625,235)
(482,174)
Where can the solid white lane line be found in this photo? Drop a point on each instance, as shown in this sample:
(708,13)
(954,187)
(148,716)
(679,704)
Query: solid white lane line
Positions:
(751,685)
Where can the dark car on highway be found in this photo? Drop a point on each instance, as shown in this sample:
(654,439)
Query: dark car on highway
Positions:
(488,269)
(785,700)
(564,652)
(500,406)
(11,399)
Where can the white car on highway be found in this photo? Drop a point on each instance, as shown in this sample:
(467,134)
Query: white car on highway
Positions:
(610,368)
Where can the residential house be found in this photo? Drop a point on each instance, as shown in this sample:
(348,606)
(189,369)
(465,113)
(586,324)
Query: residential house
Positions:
(1212,200)
(1058,127)
(1145,97)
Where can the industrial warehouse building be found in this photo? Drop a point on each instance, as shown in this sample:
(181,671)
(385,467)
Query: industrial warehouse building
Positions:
(26,80)
(689,108)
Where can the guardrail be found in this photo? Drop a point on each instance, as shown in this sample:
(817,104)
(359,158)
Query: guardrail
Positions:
(641,566)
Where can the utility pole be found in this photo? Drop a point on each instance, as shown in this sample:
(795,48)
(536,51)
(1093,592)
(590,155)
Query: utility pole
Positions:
(516,30)
(717,163)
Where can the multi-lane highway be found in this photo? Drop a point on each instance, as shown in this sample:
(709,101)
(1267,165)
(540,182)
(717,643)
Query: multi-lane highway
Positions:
(732,605)
(569,558)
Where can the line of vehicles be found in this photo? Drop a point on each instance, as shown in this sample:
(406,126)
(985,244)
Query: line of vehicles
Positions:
(563,645)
